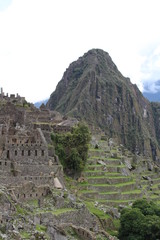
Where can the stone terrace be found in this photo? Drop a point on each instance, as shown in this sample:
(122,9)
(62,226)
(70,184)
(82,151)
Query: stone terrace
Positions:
(113,176)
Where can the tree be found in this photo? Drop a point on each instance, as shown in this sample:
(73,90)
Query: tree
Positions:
(147,207)
(141,222)
(130,224)
(72,148)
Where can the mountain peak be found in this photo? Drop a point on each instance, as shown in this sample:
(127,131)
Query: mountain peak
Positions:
(96,57)
(92,89)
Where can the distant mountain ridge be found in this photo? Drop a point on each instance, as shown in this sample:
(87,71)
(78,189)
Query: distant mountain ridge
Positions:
(152,97)
(152,91)
(93,89)
(38,104)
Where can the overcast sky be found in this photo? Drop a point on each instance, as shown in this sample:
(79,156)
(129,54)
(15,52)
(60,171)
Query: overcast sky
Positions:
(40,38)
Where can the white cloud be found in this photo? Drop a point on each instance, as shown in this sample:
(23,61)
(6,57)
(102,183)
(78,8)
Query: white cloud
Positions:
(40,38)
(151,69)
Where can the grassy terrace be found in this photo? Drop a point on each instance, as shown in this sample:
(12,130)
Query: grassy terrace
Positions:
(99,213)
(99,172)
(132,192)
(106,180)
(110,177)
(55,211)
(114,185)
(101,166)
(119,201)
(104,184)
(103,158)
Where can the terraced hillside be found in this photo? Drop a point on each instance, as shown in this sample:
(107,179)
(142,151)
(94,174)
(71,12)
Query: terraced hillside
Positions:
(114,176)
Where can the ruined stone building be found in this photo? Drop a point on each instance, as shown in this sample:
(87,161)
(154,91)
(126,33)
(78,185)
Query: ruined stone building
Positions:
(28,164)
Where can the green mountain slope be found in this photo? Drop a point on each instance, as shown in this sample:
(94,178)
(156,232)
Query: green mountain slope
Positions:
(93,89)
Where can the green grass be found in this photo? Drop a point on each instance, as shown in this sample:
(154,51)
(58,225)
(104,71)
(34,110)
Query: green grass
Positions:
(99,213)
(87,191)
(96,157)
(55,211)
(96,150)
(108,193)
(62,210)
(88,167)
(116,201)
(132,192)
(114,185)
(25,235)
(33,202)
(153,196)
(109,177)
(41,228)
(21,210)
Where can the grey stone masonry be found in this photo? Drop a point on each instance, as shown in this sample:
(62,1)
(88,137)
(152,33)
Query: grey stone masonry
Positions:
(26,152)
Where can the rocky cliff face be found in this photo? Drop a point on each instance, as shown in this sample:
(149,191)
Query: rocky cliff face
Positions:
(93,89)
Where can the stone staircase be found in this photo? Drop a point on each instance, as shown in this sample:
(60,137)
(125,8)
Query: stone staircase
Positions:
(109,178)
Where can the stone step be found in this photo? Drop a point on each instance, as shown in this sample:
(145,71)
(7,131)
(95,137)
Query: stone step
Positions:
(148,182)
(100,173)
(156,180)
(110,196)
(131,195)
(96,153)
(120,196)
(113,188)
(102,188)
(103,161)
(151,175)
(89,194)
(116,203)
(108,180)
(108,168)
(154,197)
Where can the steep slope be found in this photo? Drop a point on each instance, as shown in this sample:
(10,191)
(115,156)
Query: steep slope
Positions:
(93,89)
(156,115)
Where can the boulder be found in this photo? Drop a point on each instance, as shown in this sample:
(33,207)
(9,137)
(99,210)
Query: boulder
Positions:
(101,162)
(57,183)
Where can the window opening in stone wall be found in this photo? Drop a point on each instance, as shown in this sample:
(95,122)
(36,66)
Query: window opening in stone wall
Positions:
(0,163)
(5,163)
(22,152)
(29,153)
(15,152)
(35,152)
(7,154)
(24,195)
(42,152)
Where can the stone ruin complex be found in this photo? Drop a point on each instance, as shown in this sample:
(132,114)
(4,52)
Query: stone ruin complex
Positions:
(12,98)
(28,164)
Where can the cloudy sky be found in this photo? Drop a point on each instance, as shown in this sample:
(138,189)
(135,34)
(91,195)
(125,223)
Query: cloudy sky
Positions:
(40,38)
